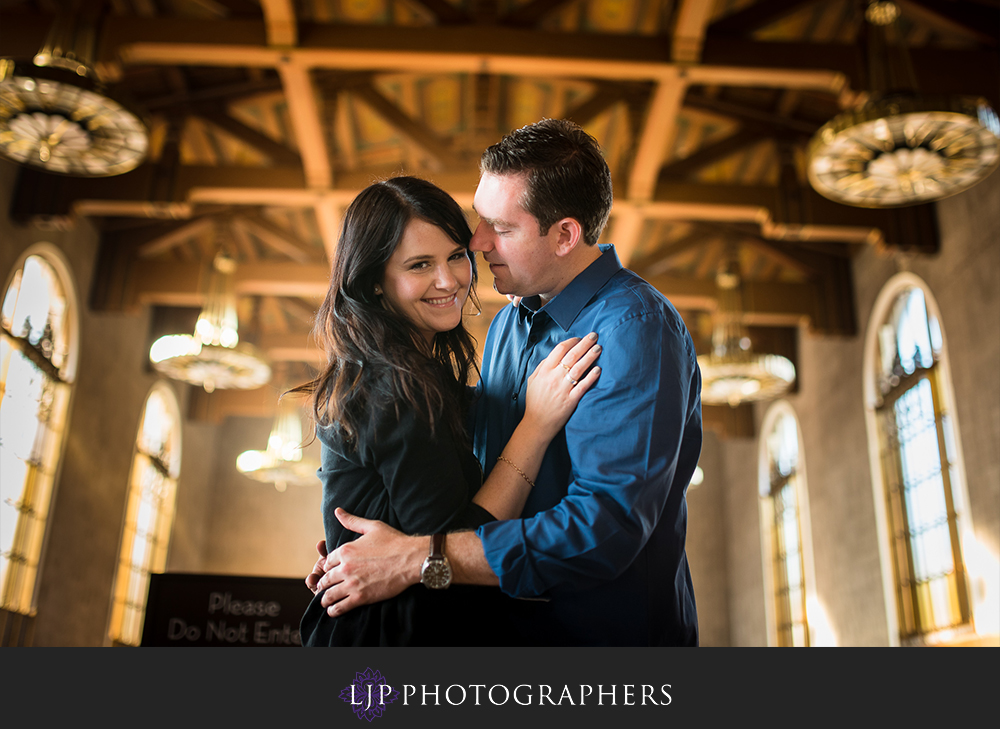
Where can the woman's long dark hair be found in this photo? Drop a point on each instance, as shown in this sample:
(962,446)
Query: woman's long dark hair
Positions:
(362,339)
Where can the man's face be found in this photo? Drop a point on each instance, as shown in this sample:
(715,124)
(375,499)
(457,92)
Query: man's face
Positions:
(522,260)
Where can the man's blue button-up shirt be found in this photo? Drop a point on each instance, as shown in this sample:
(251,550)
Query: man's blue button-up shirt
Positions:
(602,534)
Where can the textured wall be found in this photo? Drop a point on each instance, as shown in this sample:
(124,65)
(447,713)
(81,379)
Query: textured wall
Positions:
(964,278)
(253,529)
(706,546)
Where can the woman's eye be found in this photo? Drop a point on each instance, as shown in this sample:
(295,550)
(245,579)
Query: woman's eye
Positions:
(459,256)
(418,266)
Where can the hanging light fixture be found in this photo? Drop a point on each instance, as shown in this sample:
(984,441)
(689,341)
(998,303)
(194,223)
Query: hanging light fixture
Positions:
(213,357)
(282,463)
(902,148)
(55,114)
(733,374)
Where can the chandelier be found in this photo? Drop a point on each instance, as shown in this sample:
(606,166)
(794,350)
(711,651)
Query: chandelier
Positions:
(213,357)
(733,374)
(55,114)
(901,148)
(282,463)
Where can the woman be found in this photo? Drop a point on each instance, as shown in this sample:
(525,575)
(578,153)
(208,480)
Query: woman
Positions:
(391,404)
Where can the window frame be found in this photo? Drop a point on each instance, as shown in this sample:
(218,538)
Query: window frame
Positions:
(775,412)
(157,561)
(57,261)
(941,385)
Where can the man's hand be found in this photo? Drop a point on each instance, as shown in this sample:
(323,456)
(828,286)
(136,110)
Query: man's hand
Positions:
(378,565)
(319,569)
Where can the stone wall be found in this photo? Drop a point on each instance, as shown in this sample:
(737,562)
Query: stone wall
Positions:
(964,279)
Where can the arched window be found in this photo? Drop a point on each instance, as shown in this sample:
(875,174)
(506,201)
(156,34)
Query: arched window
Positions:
(918,482)
(149,513)
(38,345)
(784,521)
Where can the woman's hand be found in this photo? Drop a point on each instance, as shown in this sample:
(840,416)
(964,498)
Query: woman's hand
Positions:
(559,381)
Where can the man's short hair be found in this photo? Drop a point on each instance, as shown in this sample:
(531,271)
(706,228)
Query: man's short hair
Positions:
(567,176)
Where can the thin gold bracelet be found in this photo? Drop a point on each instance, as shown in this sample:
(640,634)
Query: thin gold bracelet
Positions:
(512,465)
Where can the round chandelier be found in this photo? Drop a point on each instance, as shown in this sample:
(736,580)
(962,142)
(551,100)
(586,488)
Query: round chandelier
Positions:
(732,373)
(902,148)
(213,357)
(282,463)
(56,116)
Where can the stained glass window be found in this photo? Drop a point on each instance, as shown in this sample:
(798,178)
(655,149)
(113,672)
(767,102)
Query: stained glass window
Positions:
(35,383)
(917,458)
(781,514)
(149,514)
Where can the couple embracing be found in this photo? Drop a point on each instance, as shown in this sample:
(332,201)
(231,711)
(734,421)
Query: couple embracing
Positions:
(545,506)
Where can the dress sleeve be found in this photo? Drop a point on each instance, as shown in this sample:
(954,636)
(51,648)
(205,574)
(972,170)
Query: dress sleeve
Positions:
(429,489)
(624,442)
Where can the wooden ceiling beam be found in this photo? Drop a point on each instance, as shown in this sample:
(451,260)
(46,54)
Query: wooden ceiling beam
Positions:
(279,154)
(281,186)
(711,153)
(725,60)
(275,237)
(533,12)
(176,283)
(279,15)
(406,125)
(305,112)
(175,237)
(751,117)
(444,12)
(689,30)
(657,137)
(755,16)
(953,18)
(604,97)
(223,93)
(328,219)
(657,262)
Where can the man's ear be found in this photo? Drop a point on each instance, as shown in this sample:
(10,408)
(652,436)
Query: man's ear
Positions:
(569,235)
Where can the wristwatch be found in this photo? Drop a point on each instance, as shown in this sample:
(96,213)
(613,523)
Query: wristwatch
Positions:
(435,573)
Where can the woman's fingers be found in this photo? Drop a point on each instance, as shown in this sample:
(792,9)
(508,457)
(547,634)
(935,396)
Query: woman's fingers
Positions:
(578,350)
(576,372)
(585,383)
(561,351)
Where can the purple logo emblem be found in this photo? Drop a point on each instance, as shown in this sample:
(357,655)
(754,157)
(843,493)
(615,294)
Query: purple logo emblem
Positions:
(369,694)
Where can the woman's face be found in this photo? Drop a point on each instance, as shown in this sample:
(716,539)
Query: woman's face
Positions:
(427,279)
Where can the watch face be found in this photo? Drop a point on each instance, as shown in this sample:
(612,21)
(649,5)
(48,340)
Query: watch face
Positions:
(436,574)
(60,127)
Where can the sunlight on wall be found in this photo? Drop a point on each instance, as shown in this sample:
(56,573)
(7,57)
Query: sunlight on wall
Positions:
(821,633)
(984,583)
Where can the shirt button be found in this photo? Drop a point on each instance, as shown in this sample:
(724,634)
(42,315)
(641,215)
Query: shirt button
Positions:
(532,339)
(514,398)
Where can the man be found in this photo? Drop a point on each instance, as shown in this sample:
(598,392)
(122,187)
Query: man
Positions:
(602,534)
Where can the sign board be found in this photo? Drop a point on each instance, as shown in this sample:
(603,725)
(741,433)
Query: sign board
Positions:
(223,611)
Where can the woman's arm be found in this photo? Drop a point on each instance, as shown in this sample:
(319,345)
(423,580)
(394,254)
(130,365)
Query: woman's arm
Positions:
(554,389)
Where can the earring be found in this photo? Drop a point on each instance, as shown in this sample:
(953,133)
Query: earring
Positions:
(378,290)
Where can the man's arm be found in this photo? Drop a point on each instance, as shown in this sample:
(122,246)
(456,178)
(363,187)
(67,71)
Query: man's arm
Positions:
(628,450)
(383,562)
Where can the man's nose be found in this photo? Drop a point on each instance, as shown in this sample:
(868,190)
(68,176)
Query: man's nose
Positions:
(482,238)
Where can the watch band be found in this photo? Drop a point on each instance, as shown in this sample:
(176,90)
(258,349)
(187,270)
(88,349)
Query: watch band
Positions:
(437,546)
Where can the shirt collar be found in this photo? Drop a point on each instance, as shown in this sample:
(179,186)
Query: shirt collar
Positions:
(568,303)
